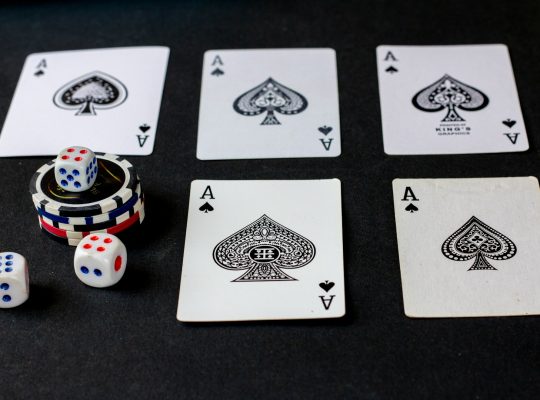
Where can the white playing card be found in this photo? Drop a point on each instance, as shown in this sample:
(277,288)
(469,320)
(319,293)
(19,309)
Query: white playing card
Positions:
(263,250)
(449,100)
(269,103)
(104,99)
(469,247)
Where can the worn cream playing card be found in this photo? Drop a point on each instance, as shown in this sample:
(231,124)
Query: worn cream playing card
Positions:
(469,247)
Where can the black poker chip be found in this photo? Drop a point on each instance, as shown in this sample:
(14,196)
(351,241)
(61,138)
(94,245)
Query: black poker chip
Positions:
(116,183)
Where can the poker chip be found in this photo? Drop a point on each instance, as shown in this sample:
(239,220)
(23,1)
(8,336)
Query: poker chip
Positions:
(95,219)
(73,238)
(97,226)
(115,185)
(113,204)
(71,242)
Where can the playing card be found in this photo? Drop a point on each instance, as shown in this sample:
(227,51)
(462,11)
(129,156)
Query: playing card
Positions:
(104,99)
(469,247)
(269,103)
(263,250)
(449,100)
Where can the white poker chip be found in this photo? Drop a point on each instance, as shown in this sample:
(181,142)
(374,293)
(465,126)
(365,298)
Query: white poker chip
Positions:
(115,185)
(98,225)
(94,219)
(73,238)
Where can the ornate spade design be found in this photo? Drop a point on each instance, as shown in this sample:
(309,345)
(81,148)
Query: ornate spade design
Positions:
(477,240)
(264,249)
(270,96)
(89,92)
(451,94)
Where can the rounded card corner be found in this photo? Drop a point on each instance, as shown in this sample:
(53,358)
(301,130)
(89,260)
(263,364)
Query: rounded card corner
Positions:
(29,56)
(331,49)
(206,52)
(533,178)
(409,315)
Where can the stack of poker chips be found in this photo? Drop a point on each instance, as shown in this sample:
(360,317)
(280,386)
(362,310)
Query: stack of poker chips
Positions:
(112,204)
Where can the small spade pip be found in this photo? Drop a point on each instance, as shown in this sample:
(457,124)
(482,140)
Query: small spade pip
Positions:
(206,207)
(411,208)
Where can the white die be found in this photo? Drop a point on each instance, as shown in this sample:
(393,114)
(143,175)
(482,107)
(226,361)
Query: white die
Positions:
(75,169)
(100,260)
(14,288)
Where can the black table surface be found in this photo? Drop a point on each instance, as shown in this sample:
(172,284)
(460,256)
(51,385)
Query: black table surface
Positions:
(73,342)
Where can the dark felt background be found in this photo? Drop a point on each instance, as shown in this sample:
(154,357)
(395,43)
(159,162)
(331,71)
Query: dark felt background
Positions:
(70,341)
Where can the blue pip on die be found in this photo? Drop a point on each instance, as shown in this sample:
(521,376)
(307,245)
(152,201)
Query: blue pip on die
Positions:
(14,287)
(76,169)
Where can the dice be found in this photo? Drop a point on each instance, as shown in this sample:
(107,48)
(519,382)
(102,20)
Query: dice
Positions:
(75,169)
(14,287)
(100,260)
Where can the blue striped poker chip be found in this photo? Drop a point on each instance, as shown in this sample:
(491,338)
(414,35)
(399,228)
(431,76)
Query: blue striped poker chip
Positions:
(115,185)
(139,204)
(94,219)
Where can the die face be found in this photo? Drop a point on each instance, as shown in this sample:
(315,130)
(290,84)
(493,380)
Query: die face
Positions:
(75,169)
(100,260)
(14,287)
(93,271)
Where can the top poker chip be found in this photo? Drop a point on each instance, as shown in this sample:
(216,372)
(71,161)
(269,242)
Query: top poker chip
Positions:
(116,183)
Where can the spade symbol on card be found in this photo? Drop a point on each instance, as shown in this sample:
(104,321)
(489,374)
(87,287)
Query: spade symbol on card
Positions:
(206,207)
(90,92)
(509,122)
(270,96)
(217,72)
(450,94)
(391,69)
(143,128)
(39,72)
(263,249)
(411,208)
(477,240)
(326,285)
(325,130)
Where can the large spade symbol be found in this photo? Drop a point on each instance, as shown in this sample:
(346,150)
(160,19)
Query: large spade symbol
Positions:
(89,92)
(270,96)
(477,240)
(451,94)
(264,248)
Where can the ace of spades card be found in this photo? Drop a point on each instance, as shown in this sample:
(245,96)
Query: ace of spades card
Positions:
(263,250)
(468,247)
(449,100)
(105,99)
(269,103)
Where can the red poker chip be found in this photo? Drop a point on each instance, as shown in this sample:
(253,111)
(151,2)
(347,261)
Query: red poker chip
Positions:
(73,238)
